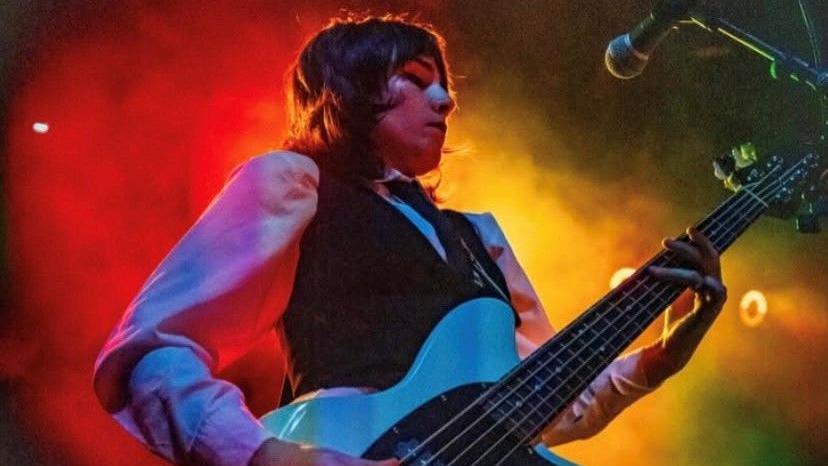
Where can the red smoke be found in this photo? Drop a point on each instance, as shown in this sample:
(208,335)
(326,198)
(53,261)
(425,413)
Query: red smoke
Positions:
(149,107)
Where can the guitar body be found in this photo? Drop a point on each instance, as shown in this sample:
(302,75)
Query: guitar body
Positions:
(471,348)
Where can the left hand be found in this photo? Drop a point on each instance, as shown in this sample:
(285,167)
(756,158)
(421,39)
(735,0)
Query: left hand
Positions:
(673,350)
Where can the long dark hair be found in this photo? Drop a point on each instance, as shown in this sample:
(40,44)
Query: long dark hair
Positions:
(335,87)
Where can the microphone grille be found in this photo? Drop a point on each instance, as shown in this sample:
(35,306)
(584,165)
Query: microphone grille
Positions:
(622,59)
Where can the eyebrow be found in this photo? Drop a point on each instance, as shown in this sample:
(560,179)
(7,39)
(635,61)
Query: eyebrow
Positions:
(427,64)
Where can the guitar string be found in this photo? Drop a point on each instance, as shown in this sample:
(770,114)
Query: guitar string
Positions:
(507,416)
(428,440)
(530,432)
(475,403)
(542,366)
(754,212)
(489,392)
(727,236)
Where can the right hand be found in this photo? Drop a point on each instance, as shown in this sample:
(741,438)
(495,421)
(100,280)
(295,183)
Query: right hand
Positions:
(274,452)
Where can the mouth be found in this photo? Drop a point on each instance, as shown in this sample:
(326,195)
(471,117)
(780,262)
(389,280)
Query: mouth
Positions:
(439,125)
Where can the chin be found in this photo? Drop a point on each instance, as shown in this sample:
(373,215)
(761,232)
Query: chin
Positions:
(428,166)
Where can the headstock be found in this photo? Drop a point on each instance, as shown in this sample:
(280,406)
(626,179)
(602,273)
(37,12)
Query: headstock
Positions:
(781,182)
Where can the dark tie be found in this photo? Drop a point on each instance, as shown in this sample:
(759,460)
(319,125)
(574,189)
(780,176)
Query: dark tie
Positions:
(412,194)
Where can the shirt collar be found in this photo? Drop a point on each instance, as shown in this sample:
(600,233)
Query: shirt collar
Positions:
(392,174)
(389,174)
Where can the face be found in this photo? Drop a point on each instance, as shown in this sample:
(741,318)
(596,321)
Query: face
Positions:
(410,136)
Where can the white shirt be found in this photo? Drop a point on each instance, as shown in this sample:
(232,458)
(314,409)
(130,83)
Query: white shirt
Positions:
(226,284)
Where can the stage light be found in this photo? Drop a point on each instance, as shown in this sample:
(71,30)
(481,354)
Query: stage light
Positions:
(752,308)
(40,127)
(620,275)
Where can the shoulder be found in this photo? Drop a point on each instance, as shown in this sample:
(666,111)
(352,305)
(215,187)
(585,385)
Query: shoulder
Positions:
(274,180)
(279,166)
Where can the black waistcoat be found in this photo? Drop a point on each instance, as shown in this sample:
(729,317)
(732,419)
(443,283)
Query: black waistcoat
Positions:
(369,289)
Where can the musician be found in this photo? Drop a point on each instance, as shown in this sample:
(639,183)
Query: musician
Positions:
(334,245)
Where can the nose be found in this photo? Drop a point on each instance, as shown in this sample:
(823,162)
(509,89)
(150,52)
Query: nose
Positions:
(441,101)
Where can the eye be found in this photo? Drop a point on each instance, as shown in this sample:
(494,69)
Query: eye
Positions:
(418,81)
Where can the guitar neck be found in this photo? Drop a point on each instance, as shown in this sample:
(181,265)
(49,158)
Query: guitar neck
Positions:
(546,382)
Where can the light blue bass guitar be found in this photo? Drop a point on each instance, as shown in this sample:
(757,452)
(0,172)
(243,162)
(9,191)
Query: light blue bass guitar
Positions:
(469,400)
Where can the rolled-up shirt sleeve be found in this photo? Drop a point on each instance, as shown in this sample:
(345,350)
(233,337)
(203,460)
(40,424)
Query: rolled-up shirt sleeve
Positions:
(616,387)
(219,291)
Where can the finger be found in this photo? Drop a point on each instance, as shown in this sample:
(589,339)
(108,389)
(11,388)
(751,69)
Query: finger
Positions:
(686,252)
(707,249)
(713,291)
(686,277)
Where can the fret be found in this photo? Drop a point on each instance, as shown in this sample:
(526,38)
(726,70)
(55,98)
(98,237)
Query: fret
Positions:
(539,399)
(517,408)
(598,347)
(546,395)
(562,368)
(574,378)
(597,324)
(508,407)
(567,353)
(734,233)
(714,229)
(547,381)
(586,348)
(543,401)
(652,287)
(591,333)
(625,311)
(543,379)
(538,394)
(515,392)
(519,412)
(546,370)
(612,327)
(523,425)
(501,411)
(737,220)
(627,308)
(523,429)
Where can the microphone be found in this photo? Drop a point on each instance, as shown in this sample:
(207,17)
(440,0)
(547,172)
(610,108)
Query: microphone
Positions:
(627,54)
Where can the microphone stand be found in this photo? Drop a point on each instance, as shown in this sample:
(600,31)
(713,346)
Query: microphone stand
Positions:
(783,63)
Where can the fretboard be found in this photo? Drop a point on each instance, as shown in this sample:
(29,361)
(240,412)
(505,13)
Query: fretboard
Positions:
(546,382)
